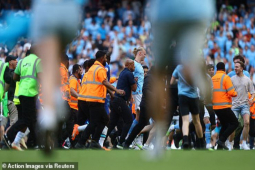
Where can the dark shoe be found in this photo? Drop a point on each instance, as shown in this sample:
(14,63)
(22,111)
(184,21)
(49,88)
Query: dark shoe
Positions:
(120,146)
(221,145)
(7,141)
(95,145)
(79,146)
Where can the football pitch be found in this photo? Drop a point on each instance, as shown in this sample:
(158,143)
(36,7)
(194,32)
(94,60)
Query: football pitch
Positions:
(132,160)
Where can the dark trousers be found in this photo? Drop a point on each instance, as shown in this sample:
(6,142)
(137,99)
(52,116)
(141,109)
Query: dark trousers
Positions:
(83,112)
(120,109)
(69,123)
(212,114)
(98,120)
(228,122)
(143,121)
(26,118)
(252,132)
(75,115)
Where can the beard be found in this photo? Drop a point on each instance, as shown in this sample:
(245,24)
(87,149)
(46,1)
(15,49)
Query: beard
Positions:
(104,63)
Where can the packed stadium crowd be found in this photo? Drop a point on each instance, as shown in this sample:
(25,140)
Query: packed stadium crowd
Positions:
(106,80)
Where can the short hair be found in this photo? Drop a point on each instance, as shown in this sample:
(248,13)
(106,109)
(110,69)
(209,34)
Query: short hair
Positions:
(209,66)
(108,56)
(75,68)
(136,50)
(220,66)
(144,67)
(100,54)
(241,63)
(64,57)
(239,57)
(85,64)
(91,62)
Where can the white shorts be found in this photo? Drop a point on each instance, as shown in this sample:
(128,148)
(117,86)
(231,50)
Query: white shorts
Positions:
(137,98)
(206,113)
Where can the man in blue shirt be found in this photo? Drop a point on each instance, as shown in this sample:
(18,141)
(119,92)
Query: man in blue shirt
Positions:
(236,59)
(188,102)
(119,107)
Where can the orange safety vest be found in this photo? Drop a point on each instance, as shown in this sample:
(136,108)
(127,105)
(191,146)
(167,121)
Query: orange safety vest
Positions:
(75,84)
(223,91)
(83,88)
(40,95)
(252,107)
(64,88)
(95,91)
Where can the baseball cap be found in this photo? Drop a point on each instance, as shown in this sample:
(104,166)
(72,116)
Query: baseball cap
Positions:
(10,57)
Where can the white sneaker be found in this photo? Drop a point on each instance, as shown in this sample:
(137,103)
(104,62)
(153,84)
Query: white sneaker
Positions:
(16,147)
(146,147)
(244,146)
(208,146)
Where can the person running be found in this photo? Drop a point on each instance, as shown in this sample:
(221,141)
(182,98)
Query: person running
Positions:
(188,102)
(119,107)
(95,93)
(223,91)
(28,72)
(241,103)
(75,88)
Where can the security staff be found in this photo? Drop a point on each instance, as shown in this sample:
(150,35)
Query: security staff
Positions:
(223,90)
(95,95)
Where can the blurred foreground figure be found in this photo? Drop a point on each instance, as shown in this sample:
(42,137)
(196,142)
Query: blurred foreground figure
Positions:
(183,22)
(54,24)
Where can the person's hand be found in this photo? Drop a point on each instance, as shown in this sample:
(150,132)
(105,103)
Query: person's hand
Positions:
(120,92)
(136,79)
(250,102)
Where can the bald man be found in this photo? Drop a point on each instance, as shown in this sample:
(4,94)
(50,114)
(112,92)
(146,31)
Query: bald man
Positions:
(119,105)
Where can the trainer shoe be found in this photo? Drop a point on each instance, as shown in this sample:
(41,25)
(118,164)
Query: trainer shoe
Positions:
(95,145)
(23,143)
(16,147)
(221,145)
(244,146)
(75,131)
(7,141)
(119,145)
(79,146)
(146,147)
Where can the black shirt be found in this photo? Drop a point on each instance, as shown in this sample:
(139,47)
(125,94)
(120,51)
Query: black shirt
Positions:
(147,89)
(126,80)
(12,86)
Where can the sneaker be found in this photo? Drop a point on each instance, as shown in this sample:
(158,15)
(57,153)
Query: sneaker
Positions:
(146,147)
(221,145)
(208,146)
(75,131)
(95,145)
(7,141)
(23,143)
(185,145)
(16,147)
(244,146)
(119,145)
(79,146)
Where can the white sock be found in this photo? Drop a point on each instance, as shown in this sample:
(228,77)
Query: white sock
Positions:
(244,142)
(47,119)
(27,132)
(103,135)
(18,138)
(82,128)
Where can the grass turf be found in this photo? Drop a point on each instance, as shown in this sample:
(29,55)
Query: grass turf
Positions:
(132,160)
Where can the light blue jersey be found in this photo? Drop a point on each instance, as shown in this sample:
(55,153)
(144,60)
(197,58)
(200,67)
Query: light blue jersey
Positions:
(140,74)
(184,88)
(233,73)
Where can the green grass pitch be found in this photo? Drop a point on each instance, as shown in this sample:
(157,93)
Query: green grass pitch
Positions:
(132,160)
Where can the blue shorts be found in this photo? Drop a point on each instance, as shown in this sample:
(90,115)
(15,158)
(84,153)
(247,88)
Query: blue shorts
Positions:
(217,129)
(242,110)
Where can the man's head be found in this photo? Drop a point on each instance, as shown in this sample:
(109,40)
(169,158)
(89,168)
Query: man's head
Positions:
(12,60)
(65,60)
(210,70)
(145,70)
(238,58)
(85,66)
(90,63)
(77,71)
(108,56)
(220,66)
(130,64)
(101,57)
(239,66)
(139,53)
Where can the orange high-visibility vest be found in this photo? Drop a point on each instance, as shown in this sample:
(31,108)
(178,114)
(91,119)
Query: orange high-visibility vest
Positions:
(223,91)
(83,88)
(252,107)
(40,95)
(95,91)
(64,88)
(75,84)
